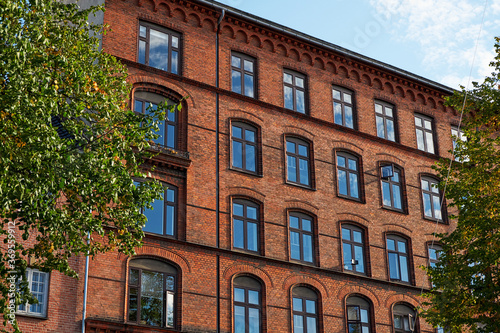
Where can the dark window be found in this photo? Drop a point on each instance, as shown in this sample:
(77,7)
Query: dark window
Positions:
(358,315)
(298,159)
(245,225)
(397,257)
(353,248)
(392,184)
(431,198)
(459,135)
(159,47)
(244,147)
(305,310)
(384,116)
(294,86)
(242,74)
(38,284)
(167,129)
(162,218)
(152,293)
(348,176)
(343,107)
(247,305)
(301,237)
(425,133)
(404,319)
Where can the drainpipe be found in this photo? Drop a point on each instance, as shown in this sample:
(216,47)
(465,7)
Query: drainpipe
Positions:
(85,284)
(217,160)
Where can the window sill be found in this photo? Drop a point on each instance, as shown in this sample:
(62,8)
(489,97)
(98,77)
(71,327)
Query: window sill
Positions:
(250,173)
(300,185)
(400,211)
(237,249)
(306,263)
(29,315)
(350,198)
(432,219)
(347,271)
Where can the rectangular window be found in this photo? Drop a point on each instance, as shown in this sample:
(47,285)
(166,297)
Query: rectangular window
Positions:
(159,47)
(162,218)
(294,91)
(343,107)
(244,147)
(38,283)
(242,74)
(301,237)
(397,254)
(298,162)
(425,133)
(385,121)
(245,225)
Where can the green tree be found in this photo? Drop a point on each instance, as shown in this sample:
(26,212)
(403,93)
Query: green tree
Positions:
(466,291)
(70,146)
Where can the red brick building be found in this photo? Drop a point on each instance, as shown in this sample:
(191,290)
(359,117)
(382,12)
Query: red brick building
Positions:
(299,178)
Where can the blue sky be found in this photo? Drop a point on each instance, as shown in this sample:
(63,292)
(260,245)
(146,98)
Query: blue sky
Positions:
(432,38)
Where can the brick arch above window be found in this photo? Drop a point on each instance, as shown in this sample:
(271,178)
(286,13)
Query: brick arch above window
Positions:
(300,205)
(401,299)
(347,147)
(358,291)
(356,219)
(245,116)
(247,193)
(244,269)
(160,253)
(308,281)
(141,80)
(299,133)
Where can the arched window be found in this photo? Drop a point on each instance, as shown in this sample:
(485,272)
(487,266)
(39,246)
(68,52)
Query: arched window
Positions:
(244,147)
(152,293)
(398,258)
(353,248)
(247,300)
(144,102)
(298,161)
(343,107)
(348,176)
(385,120)
(246,225)
(404,318)
(358,315)
(305,310)
(301,237)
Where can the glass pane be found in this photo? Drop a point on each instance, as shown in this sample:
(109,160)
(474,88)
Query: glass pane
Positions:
(134,277)
(175,62)
(406,324)
(132,305)
(418,121)
(398,322)
(290,147)
(304,171)
(337,113)
(253,297)
(347,98)
(428,124)
(364,316)
(420,139)
(142,31)
(341,161)
(170,195)
(302,150)
(152,306)
(288,98)
(236,81)
(306,225)
(238,234)
(138,106)
(252,236)
(237,132)
(235,62)
(301,101)
(310,306)
(427,204)
(252,212)
(352,164)
(358,255)
(239,295)
(170,309)
(253,320)
(386,194)
(347,256)
(298,324)
(142,52)
(437,206)
(155,217)
(294,245)
(170,220)
(348,117)
(432,254)
(391,244)
(158,49)
(170,283)
(353,185)
(430,142)
(297,304)
(299,82)
(248,85)
(396,191)
(175,41)
(239,319)
(354,328)
(402,247)
(250,157)
(393,266)
(250,135)
(294,222)
(353,313)
(336,94)
(287,78)
(395,177)
(311,325)
(434,188)
(404,268)
(378,108)
(308,253)
(357,236)
(171,136)
(425,185)
(237,154)
(346,234)
(237,209)
(342,182)
(388,111)
(292,169)
(380,127)
(391,135)
(248,65)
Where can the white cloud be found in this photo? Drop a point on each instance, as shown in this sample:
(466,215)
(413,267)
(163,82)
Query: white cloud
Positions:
(446,32)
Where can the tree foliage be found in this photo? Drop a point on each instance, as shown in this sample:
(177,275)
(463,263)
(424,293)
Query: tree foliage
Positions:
(70,146)
(466,286)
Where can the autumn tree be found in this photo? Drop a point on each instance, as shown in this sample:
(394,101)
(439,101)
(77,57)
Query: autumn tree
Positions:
(466,281)
(70,147)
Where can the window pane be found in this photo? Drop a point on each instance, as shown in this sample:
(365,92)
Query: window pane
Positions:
(396,192)
(388,111)
(294,245)
(154,217)
(310,306)
(430,143)
(132,305)
(252,212)
(235,61)
(294,222)
(237,132)
(390,130)
(287,78)
(239,319)
(393,266)
(175,62)
(292,169)
(311,325)
(304,171)
(298,324)
(134,277)
(340,161)
(170,220)
(427,205)
(142,52)
(386,194)
(250,157)
(398,322)
(290,147)
(434,188)
(432,254)
(306,225)
(158,49)
(237,154)
(170,283)
(420,139)
(437,206)
(402,247)
(308,255)
(301,102)
(378,108)
(252,236)
(418,121)
(248,85)
(357,236)
(425,185)
(337,113)
(391,244)
(253,320)
(404,268)
(364,316)
(352,313)
(346,234)
(347,256)
(353,184)
(175,41)
(152,308)
(352,164)
(428,124)
(236,81)
(239,295)
(249,135)
(336,94)
(170,309)
(358,255)
(380,127)
(142,31)
(238,234)
(237,209)
(302,150)
(170,136)
(288,98)
(347,98)
(342,182)
(297,304)
(299,82)
(253,297)
(348,117)
(354,328)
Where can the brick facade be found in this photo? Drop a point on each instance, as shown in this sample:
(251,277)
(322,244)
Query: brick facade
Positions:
(203,250)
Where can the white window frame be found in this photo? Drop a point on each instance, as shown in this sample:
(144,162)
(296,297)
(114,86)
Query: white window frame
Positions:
(45,294)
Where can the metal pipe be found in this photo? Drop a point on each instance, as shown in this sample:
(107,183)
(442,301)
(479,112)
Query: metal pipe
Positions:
(85,285)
